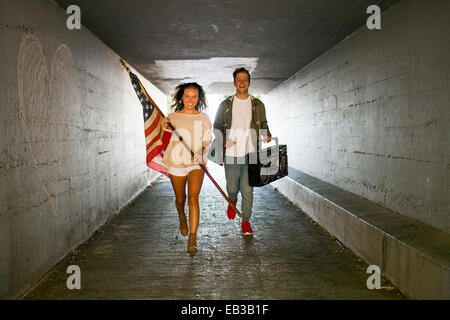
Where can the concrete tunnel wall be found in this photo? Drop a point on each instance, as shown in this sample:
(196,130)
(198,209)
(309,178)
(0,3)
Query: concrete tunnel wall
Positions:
(72,139)
(371,115)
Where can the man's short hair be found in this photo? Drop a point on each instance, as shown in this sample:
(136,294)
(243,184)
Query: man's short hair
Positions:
(239,70)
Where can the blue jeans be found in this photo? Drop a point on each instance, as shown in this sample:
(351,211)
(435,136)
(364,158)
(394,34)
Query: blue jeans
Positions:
(236,174)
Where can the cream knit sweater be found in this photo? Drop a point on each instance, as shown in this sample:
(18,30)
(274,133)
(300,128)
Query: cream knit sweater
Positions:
(196,132)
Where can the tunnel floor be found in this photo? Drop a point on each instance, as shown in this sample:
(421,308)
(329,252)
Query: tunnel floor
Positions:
(140,254)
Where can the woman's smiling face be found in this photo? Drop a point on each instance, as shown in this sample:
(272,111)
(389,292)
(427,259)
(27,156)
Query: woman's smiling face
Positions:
(190,99)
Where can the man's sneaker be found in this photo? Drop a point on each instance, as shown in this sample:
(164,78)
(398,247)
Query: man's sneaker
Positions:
(230,212)
(246,228)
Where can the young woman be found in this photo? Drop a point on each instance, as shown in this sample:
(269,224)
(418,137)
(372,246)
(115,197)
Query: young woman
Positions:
(194,127)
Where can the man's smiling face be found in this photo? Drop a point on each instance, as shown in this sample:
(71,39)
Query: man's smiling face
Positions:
(242,82)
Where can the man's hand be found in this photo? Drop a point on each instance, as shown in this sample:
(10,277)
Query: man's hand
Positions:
(267,139)
(229,143)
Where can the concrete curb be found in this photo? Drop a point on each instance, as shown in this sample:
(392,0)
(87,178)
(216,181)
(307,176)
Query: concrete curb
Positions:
(414,256)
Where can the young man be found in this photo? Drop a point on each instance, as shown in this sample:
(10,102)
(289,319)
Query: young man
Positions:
(241,119)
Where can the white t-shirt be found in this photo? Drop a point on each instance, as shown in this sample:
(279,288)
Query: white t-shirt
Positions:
(240,128)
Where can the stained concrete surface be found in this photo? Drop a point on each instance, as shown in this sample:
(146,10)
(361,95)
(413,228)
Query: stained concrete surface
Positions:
(140,254)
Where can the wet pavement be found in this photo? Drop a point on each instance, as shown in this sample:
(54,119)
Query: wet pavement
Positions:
(140,254)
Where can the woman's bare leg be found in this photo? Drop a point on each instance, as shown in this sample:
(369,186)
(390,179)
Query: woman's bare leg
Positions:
(179,187)
(195,181)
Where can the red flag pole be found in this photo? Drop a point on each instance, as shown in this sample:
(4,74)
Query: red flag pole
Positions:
(202,166)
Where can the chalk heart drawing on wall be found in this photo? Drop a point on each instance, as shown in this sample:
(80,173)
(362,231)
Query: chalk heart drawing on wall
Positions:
(45,100)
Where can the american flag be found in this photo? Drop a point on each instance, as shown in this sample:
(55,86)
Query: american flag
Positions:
(156,138)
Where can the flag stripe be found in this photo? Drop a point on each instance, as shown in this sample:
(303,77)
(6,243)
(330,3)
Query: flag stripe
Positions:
(164,140)
(154,117)
(152,133)
(154,143)
(158,165)
(150,126)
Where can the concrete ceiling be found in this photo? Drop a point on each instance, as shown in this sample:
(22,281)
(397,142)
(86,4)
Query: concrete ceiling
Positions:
(173,41)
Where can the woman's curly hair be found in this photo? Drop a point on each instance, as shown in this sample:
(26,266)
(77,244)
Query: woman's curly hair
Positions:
(177,97)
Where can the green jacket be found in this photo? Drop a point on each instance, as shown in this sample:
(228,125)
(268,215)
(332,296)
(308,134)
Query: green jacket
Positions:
(224,113)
